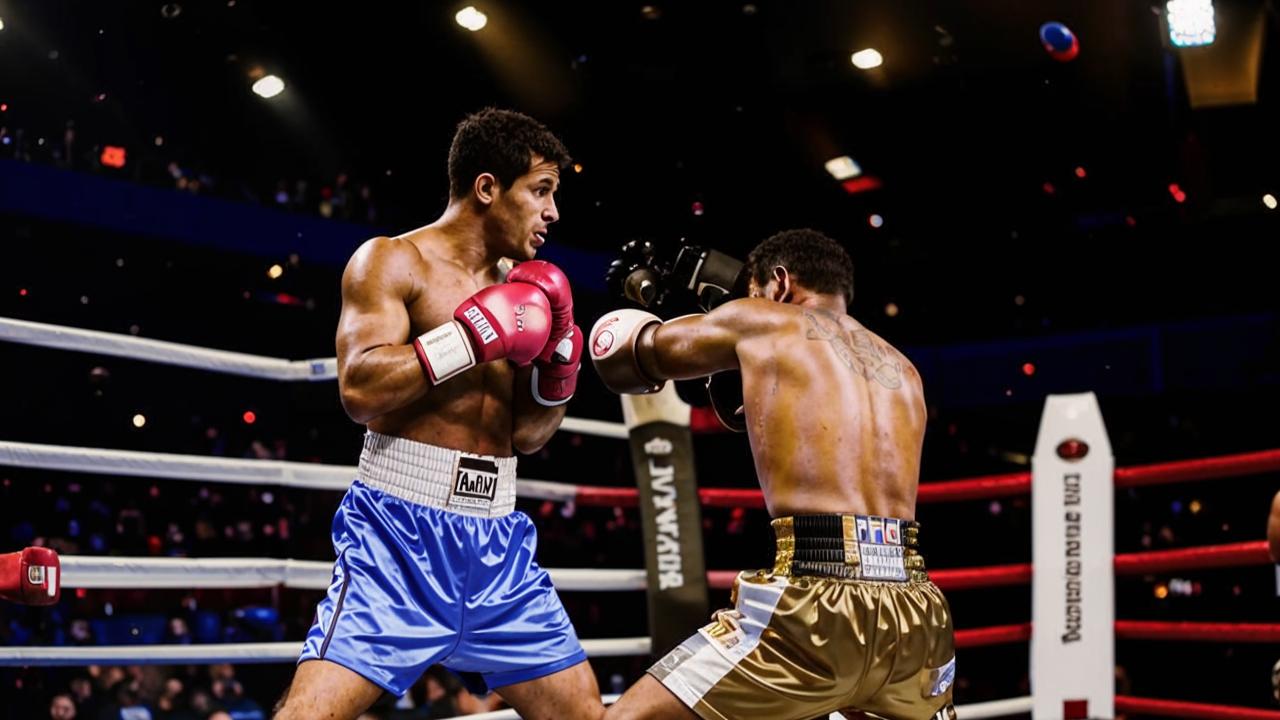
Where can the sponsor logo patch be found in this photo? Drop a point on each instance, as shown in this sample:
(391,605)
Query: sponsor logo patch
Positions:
(475,483)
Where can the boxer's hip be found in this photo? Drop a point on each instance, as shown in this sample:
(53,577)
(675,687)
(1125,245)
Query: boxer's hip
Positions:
(436,477)
(849,547)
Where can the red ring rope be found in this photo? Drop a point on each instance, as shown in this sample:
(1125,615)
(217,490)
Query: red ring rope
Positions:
(1159,561)
(997,635)
(1182,709)
(1201,631)
(1208,556)
(987,487)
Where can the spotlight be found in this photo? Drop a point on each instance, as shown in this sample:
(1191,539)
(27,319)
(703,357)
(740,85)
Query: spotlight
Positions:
(269,86)
(843,168)
(471,18)
(867,59)
(1191,22)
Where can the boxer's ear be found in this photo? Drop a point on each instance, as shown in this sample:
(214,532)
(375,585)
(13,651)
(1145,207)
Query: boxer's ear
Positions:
(485,188)
(782,289)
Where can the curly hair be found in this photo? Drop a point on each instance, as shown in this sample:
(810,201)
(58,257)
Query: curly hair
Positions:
(813,259)
(500,142)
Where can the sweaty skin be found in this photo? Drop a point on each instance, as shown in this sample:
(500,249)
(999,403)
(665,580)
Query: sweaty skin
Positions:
(835,415)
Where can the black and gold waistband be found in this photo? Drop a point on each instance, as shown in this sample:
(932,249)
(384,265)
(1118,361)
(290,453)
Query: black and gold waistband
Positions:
(851,547)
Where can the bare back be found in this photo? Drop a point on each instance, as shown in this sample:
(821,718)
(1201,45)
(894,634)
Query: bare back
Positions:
(836,415)
(395,289)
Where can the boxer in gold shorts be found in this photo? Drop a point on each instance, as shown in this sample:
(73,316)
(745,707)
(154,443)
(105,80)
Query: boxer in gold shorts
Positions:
(847,619)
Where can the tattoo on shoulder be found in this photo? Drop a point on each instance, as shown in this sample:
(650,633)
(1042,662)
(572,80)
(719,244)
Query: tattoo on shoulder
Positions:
(856,350)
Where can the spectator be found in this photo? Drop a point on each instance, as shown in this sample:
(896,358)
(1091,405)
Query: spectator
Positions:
(61,707)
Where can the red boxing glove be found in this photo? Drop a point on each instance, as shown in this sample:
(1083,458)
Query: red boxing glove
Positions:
(31,577)
(555,381)
(552,281)
(511,321)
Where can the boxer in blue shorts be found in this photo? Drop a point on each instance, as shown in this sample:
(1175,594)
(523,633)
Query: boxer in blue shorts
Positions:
(453,362)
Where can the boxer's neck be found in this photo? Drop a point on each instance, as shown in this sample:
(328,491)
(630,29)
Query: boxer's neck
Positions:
(462,235)
(818,301)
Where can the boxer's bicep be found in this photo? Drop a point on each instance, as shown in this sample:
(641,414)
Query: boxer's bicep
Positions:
(375,289)
(693,346)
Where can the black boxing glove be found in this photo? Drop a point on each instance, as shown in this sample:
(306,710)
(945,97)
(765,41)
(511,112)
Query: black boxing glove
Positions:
(725,390)
(636,274)
(713,277)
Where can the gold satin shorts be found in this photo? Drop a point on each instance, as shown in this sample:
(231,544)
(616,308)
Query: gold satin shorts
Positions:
(802,646)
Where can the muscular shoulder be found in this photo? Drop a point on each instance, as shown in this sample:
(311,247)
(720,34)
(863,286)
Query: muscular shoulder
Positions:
(383,262)
(757,316)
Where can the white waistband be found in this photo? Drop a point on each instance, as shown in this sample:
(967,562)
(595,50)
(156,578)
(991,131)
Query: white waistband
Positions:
(482,485)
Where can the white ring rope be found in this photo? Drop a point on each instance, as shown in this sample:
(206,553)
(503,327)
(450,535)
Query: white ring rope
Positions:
(135,463)
(166,353)
(89,571)
(273,652)
(220,361)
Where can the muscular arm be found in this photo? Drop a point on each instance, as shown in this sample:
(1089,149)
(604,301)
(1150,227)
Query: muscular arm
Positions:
(701,345)
(378,371)
(1273,529)
(532,424)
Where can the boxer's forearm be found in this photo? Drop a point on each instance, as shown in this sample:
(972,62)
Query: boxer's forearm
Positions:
(689,347)
(532,424)
(381,380)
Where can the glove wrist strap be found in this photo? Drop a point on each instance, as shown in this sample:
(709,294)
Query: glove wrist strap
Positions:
(444,352)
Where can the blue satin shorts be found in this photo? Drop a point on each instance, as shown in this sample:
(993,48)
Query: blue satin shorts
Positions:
(414,586)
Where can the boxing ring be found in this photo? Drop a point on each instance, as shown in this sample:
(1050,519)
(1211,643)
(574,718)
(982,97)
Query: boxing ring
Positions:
(158,573)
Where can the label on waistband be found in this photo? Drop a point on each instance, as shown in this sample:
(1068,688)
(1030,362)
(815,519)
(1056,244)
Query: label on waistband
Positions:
(475,483)
(880,551)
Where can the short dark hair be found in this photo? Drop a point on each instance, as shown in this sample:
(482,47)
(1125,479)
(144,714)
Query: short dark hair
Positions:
(500,142)
(813,259)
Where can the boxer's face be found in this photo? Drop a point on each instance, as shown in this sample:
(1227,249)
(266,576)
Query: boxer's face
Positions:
(518,216)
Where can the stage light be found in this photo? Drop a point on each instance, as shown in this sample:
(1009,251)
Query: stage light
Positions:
(843,168)
(867,59)
(471,18)
(112,156)
(269,86)
(1190,22)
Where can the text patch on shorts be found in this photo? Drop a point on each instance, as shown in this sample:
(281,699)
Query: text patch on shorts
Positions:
(475,483)
(881,554)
